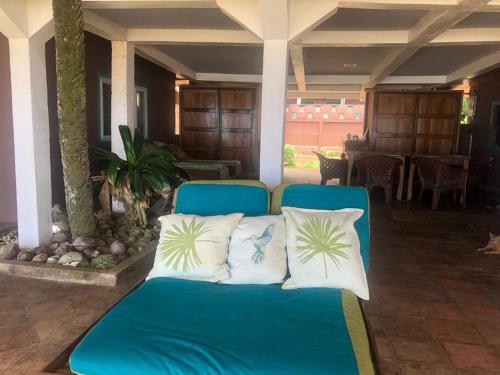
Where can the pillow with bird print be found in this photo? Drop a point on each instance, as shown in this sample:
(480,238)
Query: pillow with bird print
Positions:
(194,247)
(257,253)
(323,250)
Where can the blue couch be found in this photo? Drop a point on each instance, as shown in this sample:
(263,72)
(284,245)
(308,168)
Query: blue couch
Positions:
(170,326)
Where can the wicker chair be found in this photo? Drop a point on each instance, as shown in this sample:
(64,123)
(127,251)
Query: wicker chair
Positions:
(332,168)
(438,177)
(378,171)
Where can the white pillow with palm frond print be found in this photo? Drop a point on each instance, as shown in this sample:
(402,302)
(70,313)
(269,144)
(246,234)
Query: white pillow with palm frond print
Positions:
(324,251)
(257,252)
(194,247)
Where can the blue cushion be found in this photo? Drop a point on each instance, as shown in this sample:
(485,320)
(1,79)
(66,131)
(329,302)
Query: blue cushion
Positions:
(329,197)
(170,326)
(207,198)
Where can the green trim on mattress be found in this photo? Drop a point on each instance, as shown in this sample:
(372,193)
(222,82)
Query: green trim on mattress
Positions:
(357,331)
(277,196)
(229,182)
(255,183)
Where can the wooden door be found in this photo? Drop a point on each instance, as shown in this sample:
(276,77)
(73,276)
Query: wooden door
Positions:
(238,136)
(221,123)
(437,123)
(394,121)
(200,122)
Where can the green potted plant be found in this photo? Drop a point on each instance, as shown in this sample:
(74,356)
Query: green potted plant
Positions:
(144,173)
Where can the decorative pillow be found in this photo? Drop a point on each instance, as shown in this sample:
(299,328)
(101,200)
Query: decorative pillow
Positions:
(323,250)
(194,247)
(257,252)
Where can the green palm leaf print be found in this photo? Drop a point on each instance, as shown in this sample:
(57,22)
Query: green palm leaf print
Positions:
(177,246)
(320,237)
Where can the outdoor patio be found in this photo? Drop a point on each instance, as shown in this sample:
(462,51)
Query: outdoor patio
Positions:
(434,308)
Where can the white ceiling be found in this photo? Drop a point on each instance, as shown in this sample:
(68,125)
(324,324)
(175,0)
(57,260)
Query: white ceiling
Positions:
(203,40)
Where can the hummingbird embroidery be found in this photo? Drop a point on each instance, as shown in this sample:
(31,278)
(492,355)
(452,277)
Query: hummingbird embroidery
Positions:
(260,243)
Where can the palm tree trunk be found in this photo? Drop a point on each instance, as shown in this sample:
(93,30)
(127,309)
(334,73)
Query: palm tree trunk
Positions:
(71,105)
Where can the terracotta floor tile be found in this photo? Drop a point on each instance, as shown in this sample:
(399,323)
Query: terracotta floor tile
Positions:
(490,331)
(480,312)
(468,298)
(421,351)
(421,369)
(428,294)
(454,330)
(406,327)
(383,347)
(444,310)
(472,356)
(388,367)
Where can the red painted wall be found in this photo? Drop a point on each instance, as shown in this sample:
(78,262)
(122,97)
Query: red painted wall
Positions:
(8,211)
(306,125)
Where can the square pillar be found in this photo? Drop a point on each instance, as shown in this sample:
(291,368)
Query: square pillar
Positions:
(274,84)
(122,92)
(31,141)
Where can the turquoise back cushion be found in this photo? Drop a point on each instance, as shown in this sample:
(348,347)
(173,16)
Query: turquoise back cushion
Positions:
(224,197)
(328,197)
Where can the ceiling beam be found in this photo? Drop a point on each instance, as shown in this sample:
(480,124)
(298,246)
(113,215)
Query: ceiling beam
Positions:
(304,17)
(477,67)
(422,33)
(298,65)
(398,4)
(156,56)
(322,94)
(364,38)
(138,4)
(103,27)
(195,36)
(274,18)
(217,77)
(468,36)
(243,12)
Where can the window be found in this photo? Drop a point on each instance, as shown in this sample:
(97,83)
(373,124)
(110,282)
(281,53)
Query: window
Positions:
(341,115)
(294,115)
(309,115)
(301,109)
(349,108)
(357,116)
(325,116)
(317,109)
(141,109)
(104,110)
(334,108)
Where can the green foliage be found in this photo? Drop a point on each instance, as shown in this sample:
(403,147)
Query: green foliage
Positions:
(311,165)
(464,114)
(143,172)
(330,152)
(320,237)
(177,247)
(289,156)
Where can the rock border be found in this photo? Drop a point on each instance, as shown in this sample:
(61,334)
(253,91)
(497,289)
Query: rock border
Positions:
(137,265)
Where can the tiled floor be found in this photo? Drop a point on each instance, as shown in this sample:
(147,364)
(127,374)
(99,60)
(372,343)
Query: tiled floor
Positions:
(435,301)
(435,305)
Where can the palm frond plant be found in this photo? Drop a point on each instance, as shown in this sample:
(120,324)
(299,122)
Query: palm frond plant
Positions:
(142,174)
(320,237)
(177,246)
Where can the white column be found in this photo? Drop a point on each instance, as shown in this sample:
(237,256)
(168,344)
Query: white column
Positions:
(31,140)
(274,79)
(122,92)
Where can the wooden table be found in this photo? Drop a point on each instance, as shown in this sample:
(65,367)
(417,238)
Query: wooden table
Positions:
(453,159)
(354,155)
